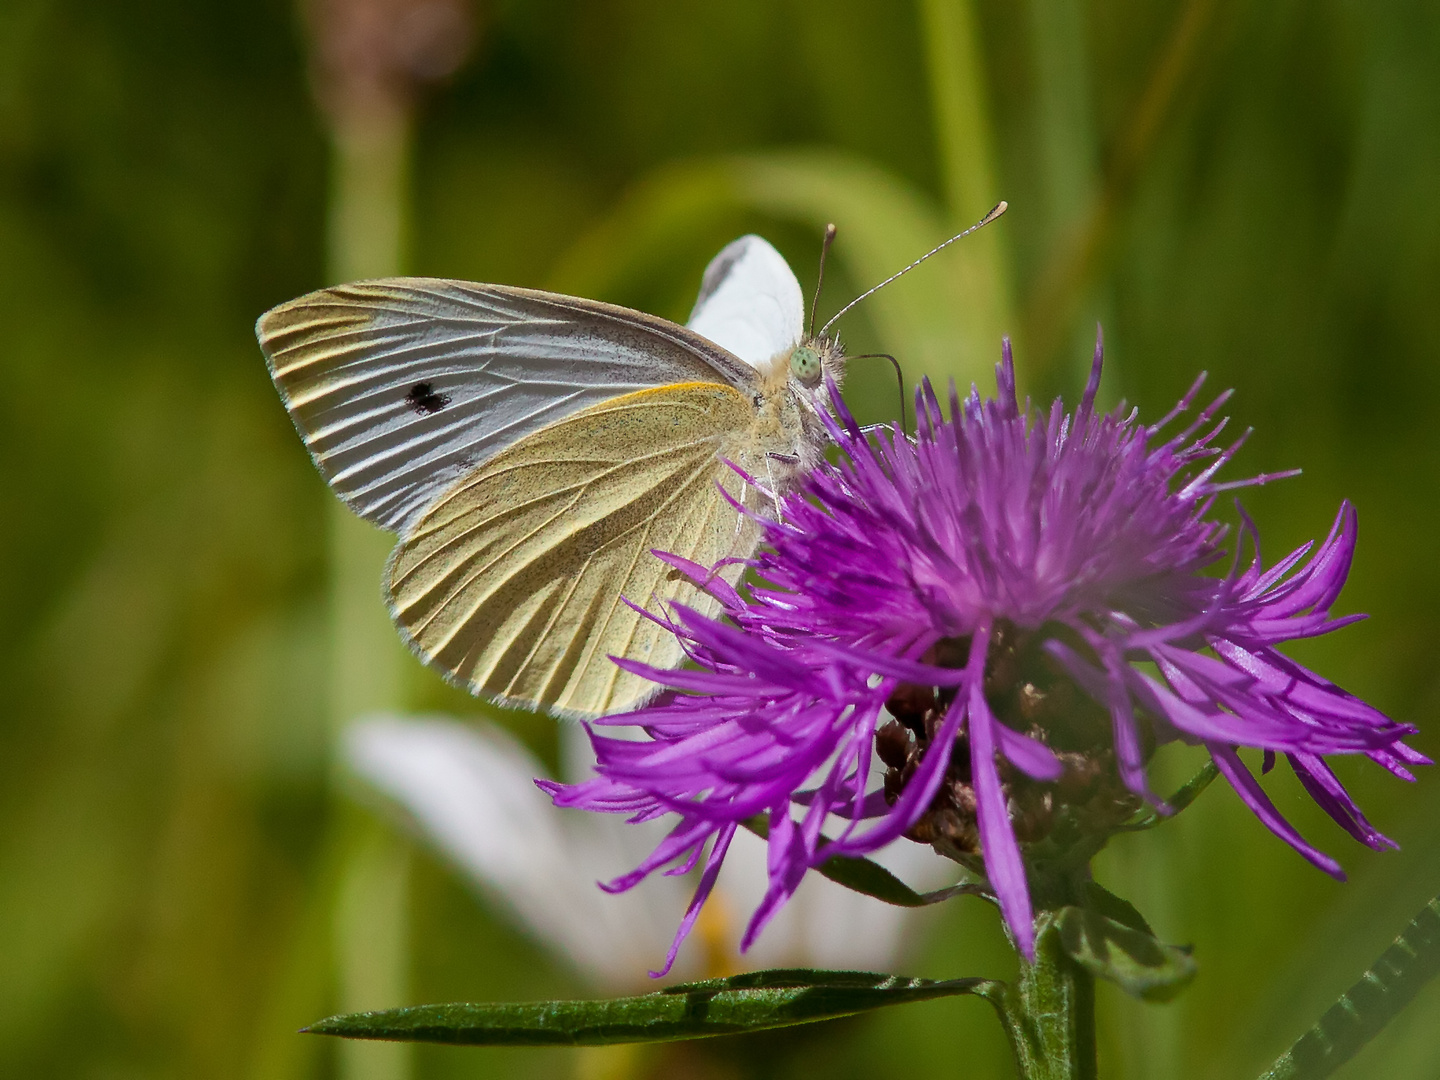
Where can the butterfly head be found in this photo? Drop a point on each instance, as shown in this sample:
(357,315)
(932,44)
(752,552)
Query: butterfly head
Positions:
(815,359)
(805,365)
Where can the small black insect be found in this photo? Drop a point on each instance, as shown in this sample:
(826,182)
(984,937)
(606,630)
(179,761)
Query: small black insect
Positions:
(424,400)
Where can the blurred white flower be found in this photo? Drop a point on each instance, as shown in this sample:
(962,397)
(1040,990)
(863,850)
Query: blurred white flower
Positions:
(470,790)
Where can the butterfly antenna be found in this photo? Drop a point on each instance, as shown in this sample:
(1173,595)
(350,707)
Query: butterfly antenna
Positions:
(999,209)
(820,277)
(899,380)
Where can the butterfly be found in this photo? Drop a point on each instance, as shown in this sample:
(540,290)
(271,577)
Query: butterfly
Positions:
(533,451)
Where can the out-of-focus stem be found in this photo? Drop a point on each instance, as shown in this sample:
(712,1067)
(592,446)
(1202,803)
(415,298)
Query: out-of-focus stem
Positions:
(364,66)
(368,222)
(366,238)
(371,940)
(367,227)
(1069,158)
(370,59)
(961,109)
(1076,259)
(960,105)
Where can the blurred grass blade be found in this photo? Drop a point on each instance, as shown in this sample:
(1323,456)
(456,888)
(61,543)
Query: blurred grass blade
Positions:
(964,142)
(959,100)
(1068,155)
(872,879)
(640,237)
(1364,1009)
(751,1002)
(1136,962)
(1077,259)
(943,321)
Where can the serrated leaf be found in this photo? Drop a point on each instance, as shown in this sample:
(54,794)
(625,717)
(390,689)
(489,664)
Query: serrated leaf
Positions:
(750,1002)
(1364,1009)
(1136,961)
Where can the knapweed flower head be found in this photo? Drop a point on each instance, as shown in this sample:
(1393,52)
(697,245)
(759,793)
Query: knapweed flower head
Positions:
(976,639)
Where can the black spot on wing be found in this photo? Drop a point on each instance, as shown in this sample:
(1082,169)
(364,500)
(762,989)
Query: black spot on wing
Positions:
(424,400)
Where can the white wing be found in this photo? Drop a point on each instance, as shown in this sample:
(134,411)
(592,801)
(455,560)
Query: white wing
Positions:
(399,386)
(750,303)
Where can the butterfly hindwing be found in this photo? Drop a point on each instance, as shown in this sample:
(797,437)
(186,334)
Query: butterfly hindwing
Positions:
(514,580)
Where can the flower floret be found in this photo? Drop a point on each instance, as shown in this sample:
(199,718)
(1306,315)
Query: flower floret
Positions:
(976,638)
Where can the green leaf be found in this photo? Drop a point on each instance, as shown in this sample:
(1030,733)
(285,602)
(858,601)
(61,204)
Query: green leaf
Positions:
(872,879)
(1364,1009)
(1134,960)
(751,1002)
(1102,900)
(1188,793)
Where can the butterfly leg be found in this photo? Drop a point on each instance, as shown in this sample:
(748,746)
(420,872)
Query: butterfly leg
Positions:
(792,463)
(744,501)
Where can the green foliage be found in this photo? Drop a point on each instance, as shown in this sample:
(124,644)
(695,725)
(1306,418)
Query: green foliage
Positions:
(1129,957)
(1373,1001)
(872,879)
(755,1001)
(1049,1012)
(1186,794)
(168,840)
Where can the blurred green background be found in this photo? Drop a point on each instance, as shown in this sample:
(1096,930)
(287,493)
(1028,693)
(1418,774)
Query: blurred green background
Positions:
(1245,187)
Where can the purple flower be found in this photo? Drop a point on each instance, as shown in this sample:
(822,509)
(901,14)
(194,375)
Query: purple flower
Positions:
(995,582)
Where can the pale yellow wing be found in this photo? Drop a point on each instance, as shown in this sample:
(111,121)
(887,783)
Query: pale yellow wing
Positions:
(512,581)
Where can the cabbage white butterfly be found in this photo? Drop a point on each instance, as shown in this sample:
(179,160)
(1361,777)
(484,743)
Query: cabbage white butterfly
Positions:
(532,450)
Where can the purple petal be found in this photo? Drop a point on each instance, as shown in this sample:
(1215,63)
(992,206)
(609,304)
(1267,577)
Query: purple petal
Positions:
(702,893)
(1325,788)
(1031,757)
(1003,864)
(1250,792)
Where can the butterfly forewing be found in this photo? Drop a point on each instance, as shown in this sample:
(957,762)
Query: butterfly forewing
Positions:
(750,303)
(514,581)
(401,386)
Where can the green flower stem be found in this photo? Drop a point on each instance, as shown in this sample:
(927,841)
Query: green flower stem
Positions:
(1049,1014)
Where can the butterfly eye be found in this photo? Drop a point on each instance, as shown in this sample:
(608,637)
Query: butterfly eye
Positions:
(805,365)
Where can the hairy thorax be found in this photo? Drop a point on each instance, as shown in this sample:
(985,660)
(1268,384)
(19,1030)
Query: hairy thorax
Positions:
(786,438)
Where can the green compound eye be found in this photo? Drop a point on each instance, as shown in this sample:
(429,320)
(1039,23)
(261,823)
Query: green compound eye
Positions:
(805,365)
